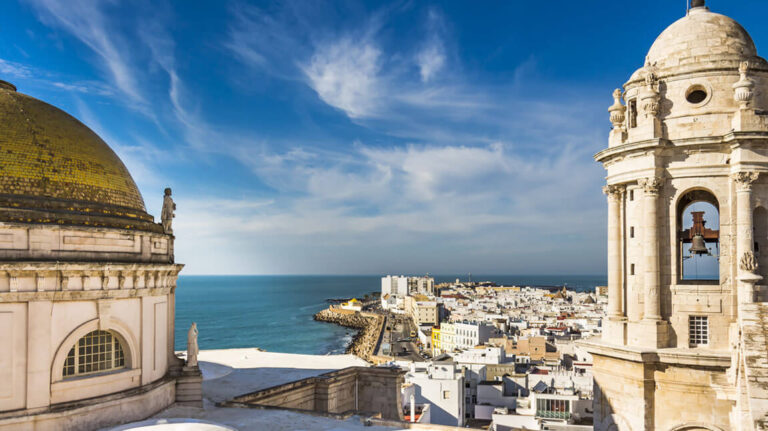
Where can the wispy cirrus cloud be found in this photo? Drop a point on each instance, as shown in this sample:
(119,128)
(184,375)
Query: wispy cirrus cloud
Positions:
(431,59)
(88,22)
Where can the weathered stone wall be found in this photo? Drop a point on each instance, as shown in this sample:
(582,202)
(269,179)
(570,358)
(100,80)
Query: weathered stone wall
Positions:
(351,390)
(639,394)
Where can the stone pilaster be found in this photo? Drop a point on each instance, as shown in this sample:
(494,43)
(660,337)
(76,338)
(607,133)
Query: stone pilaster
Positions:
(744,229)
(614,327)
(615,194)
(655,330)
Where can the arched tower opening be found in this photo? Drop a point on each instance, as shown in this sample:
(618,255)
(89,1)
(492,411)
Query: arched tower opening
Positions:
(698,222)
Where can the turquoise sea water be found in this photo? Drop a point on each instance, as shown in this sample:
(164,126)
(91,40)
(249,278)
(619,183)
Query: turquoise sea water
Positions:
(275,312)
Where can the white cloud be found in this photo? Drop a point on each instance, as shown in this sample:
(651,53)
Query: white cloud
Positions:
(344,74)
(452,197)
(431,60)
(15,70)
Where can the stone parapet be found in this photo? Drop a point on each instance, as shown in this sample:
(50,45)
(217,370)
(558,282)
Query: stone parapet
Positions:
(352,390)
(25,241)
(95,413)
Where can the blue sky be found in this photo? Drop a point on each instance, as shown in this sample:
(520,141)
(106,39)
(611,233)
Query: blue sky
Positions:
(354,137)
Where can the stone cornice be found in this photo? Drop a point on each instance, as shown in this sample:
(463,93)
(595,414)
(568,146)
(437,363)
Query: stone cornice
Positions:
(82,295)
(670,356)
(96,267)
(735,139)
(608,153)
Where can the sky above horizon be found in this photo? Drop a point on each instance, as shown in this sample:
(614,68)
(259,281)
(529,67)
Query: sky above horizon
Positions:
(310,137)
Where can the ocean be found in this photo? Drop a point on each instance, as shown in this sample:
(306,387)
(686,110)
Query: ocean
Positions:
(274,312)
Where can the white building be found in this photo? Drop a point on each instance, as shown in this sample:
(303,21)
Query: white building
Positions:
(469,335)
(482,355)
(441,385)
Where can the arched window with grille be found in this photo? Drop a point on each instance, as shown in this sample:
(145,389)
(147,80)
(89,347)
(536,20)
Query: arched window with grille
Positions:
(96,352)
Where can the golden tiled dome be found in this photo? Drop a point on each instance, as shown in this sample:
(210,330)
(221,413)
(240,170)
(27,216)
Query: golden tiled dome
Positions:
(51,162)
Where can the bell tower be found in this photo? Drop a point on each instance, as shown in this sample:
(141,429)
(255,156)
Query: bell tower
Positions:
(686,163)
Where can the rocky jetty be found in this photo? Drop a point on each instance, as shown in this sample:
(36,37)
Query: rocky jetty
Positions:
(370,325)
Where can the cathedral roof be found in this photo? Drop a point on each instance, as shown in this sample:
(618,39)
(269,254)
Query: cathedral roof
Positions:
(699,37)
(54,169)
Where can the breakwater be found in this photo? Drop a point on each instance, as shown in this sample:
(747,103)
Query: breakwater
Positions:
(370,326)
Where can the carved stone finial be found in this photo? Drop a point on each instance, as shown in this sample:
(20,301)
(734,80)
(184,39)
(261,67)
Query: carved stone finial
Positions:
(617,110)
(744,180)
(649,96)
(743,89)
(192,348)
(168,212)
(651,185)
(748,262)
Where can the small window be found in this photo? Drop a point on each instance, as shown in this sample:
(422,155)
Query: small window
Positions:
(446,395)
(696,95)
(698,330)
(632,113)
(631,195)
(631,231)
(96,352)
(632,269)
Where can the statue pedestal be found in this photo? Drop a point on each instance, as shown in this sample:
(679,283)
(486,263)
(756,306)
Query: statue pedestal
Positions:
(189,387)
(615,330)
(653,333)
(747,282)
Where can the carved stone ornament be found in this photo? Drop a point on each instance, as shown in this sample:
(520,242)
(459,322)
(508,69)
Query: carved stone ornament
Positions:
(649,95)
(614,192)
(744,180)
(617,110)
(743,90)
(651,185)
(168,212)
(748,262)
(192,348)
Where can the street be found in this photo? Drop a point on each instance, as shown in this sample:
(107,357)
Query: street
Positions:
(396,337)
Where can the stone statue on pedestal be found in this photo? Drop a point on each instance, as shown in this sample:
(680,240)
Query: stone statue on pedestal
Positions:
(167,214)
(192,349)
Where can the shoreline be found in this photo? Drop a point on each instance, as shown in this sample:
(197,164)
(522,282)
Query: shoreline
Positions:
(369,326)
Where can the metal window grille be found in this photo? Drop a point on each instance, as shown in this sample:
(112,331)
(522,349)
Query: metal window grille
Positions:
(698,330)
(96,352)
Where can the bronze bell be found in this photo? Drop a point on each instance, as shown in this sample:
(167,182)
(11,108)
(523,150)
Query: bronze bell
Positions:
(698,246)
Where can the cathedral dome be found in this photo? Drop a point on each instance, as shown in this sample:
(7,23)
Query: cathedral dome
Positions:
(701,36)
(54,169)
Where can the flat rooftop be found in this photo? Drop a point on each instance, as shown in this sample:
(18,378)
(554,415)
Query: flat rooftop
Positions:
(231,372)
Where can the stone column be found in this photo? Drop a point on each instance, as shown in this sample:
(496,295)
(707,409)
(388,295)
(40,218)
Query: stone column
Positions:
(744,228)
(651,279)
(39,354)
(615,194)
